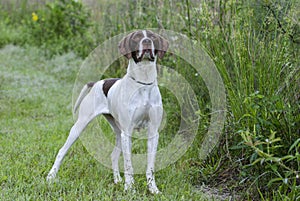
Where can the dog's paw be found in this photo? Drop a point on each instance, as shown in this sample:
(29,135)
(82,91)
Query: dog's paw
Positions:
(51,177)
(129,187)
(154,190)
(117,178)
(130,190)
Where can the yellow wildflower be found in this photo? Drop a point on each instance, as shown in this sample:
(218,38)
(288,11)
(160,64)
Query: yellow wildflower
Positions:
(35,17)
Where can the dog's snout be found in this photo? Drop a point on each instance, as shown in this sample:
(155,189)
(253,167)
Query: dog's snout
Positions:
(146,41)
(147,44)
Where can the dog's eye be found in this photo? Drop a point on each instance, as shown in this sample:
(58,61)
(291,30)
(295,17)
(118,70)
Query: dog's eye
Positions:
(138,36)
(153,37)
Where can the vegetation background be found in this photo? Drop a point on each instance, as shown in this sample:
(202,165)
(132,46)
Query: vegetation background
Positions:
(255,46)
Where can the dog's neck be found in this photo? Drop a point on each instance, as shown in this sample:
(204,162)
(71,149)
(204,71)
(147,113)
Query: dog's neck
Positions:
(143,72)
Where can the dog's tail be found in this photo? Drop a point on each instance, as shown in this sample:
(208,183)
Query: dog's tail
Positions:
(84,91)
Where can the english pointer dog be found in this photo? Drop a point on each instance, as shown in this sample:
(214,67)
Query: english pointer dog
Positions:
(133,101)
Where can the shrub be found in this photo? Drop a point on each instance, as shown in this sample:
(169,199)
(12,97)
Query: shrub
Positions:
(61,27)
(272,146)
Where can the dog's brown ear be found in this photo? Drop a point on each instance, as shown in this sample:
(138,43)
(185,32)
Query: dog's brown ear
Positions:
(162,47)
(124,46)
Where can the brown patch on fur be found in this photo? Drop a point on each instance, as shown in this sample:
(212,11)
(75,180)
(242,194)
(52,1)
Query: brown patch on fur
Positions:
(108,84)
(90,84)
(124,46)
(161,45)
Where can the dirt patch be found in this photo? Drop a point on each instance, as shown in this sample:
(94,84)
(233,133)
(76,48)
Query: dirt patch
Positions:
(217,194)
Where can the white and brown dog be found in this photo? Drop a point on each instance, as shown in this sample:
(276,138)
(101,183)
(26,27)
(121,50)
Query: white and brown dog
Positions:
(128,103)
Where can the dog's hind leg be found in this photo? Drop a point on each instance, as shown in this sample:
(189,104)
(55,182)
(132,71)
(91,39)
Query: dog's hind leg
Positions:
(73,136)
(86,114)
(115,155)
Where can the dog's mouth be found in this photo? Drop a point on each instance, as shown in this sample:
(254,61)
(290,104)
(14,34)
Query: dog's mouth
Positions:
(147,54)
(144,55)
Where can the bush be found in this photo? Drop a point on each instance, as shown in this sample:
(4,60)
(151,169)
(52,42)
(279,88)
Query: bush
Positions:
(271,146)
(61,27)
(254,44)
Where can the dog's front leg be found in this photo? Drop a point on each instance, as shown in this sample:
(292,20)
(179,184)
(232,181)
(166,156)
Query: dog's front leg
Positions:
(152,147)
(128,169)
(155,115)
(115,159)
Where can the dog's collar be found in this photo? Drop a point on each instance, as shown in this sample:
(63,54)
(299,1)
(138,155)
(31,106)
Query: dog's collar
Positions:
(143,83)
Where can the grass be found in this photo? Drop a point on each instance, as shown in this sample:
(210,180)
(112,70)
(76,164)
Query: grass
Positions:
(35,105)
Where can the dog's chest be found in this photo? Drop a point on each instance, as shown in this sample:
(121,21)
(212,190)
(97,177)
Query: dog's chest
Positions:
(140,105)
(141,98)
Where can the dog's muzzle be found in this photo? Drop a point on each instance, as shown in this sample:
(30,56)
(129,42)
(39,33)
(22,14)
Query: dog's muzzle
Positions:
(145,51)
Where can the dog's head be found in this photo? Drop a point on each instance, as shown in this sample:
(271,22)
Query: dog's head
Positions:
(143,45)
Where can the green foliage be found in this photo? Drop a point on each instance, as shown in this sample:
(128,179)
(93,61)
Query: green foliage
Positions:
(61,27)
(57,27)
(10,34)
(279,170)
(254,47)
(272,145)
